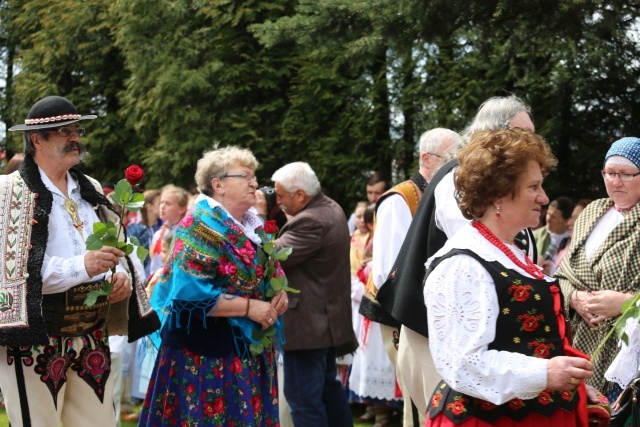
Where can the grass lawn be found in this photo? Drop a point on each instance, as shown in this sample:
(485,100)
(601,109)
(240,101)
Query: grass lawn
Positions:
(395,421)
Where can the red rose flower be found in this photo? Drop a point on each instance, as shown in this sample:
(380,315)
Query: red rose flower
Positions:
(236,366)
(516,404)
(457,407)
(218,405)
(544,398)
(270,227)
(257,404)
(435,400)
(530,323)
(521,294)
(541,351)
(133,174)
(487,406)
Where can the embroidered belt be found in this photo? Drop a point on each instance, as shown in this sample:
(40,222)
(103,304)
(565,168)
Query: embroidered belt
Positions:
(66,315)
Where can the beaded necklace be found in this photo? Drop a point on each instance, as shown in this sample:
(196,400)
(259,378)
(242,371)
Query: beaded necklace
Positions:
(530,267)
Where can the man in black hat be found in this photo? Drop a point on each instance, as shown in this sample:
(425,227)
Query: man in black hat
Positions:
(54,353)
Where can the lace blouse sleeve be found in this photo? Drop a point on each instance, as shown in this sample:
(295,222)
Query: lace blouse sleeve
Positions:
(463,309)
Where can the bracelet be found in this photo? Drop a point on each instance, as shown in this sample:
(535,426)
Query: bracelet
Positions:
(246,313)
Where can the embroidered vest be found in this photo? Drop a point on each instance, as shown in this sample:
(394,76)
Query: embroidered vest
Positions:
(527,324)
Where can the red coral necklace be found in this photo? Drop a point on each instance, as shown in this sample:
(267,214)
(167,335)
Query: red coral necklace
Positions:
(530,267)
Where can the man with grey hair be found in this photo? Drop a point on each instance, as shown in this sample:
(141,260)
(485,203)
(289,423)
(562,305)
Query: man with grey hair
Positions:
(394,213)
(437,219)
(318,321)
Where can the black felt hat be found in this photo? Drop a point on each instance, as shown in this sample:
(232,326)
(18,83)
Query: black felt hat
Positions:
(51,112)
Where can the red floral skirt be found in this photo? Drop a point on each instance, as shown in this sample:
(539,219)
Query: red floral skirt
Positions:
(562,418)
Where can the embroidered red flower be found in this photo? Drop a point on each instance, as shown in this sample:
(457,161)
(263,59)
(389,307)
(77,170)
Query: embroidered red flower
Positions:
(487,406)
(208,409)
(259,271)
(190,389)
(217,372)
(530,321)
(270,227)
(567,395)
(194,266)
(544,398)
(133,174)
(516,404)
(225,268)
(457,407)
(541,349)
(435,400)
(520,292)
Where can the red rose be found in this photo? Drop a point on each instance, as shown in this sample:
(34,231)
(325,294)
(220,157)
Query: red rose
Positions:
(521,294)
(218,405)
(257,404)
(133,174)
(487,406)
(270,227)
(567,394)
(435,400)
(530,323)
(457,407)
(542,351)
(544,398)
(516,403)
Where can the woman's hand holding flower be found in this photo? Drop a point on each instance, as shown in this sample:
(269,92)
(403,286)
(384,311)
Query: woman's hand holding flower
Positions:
(280,302)
(262,312)
(604,305)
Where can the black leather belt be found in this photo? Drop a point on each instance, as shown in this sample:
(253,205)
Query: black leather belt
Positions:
(66,315)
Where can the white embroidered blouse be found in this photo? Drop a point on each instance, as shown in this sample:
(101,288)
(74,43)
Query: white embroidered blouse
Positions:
(463,309)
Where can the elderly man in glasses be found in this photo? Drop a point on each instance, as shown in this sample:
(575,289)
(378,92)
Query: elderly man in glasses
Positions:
(55,364)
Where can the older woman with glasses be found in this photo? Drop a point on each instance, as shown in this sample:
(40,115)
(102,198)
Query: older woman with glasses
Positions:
(602,267)
(213,295)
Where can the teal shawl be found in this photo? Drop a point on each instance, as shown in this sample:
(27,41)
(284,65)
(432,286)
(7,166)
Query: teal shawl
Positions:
(211,258)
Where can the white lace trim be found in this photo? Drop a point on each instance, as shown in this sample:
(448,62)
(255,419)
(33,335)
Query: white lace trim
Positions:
(463,310)
(627,362)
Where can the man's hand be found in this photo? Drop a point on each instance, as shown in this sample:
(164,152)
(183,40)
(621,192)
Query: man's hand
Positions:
(121,287)
(102,260)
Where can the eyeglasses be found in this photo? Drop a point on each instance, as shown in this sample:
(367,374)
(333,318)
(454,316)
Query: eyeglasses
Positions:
(67,131)
(626,177)
(244,176)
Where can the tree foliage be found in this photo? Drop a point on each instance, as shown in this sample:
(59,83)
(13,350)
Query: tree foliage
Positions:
(346,85)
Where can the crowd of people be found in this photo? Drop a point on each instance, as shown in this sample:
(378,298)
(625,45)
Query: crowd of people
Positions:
(462,296)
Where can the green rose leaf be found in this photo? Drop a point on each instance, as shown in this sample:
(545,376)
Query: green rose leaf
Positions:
(128,249)
(136,198)
(107,287)
(292,290)
(270,331)
(281,256)
(269,271)
(624,337)
(94,243)
(269,293)
(99,228)
(121,245)
(276,284)
(266,342)
(262,256)
(134,240)
(122,192)
(135,206)
(91,299)
(110,240)
(142,253)
(268,248)
(256,349)
(257,334)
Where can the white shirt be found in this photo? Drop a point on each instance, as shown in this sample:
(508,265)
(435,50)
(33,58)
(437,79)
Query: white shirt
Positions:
(463,311)
(601,231)
(63,266)
(449,217)
(393,219)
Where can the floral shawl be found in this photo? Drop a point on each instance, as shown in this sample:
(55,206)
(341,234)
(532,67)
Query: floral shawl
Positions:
(211,258)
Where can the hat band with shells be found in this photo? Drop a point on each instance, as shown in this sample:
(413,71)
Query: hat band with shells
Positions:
(52,119)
